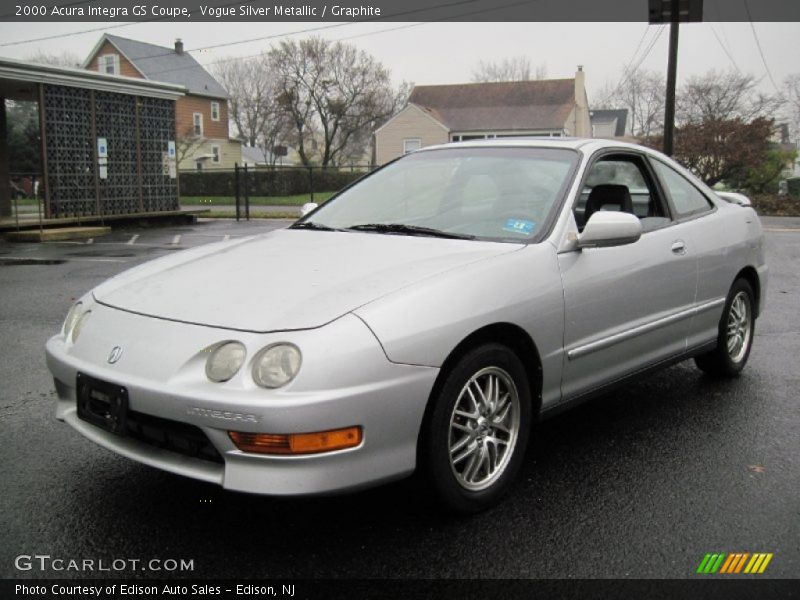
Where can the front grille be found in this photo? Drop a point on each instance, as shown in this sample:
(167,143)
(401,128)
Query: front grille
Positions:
(181,438)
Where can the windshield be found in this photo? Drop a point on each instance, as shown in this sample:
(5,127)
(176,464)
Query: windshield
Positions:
(504,194)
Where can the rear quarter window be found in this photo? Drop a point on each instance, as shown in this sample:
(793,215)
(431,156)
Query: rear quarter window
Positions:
(686,198)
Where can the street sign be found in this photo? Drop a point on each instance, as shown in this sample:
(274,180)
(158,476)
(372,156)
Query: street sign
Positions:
(689,11)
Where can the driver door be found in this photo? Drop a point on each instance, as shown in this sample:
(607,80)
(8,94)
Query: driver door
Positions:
(629,306)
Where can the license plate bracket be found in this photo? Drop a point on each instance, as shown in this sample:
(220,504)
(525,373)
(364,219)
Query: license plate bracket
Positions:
(102,403)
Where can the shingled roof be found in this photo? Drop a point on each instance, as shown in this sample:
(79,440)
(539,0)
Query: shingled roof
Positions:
(544,104)
(164,64)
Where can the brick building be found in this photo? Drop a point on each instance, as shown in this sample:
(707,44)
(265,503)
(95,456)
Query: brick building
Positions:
(201,116)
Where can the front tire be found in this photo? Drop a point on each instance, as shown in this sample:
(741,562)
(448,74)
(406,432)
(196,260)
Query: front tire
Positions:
(735,337)
(475,437)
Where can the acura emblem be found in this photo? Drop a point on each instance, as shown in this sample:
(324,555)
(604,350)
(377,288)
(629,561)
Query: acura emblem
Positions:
(114,355)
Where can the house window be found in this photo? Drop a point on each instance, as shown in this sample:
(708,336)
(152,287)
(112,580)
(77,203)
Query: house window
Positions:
(411,144)
(199,165)
(215,111)
(215,154)
(108,64)
(198,123)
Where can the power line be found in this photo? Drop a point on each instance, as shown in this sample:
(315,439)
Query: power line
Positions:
(256,39)
(288,34)
(412,25)
(639,45)
(760,50)
(105,27)
(332,26)
(626,67)
(629,72)
(724,49)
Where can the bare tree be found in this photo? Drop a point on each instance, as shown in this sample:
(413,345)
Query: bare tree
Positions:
(517,68)
(791,92)
(252,101)
(332,93)
(63,59)
(296,76)
(187,143)
(723,96)
(642,93)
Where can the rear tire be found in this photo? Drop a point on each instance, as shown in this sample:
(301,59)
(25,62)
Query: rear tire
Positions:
(474,439)
(735,337)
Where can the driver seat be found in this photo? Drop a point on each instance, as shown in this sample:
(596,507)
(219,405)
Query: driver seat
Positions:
(616,197)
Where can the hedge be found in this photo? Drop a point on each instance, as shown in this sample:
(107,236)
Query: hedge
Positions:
(267,182)
(776,206)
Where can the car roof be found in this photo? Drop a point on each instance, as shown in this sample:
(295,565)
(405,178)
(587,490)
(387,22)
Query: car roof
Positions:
(586,144)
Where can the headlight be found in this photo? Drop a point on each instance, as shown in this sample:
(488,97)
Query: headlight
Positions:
(225,361)
(72,316)
(76,330)
(276,365)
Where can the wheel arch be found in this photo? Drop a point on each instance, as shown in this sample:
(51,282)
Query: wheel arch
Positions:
(506,334)
(750,275)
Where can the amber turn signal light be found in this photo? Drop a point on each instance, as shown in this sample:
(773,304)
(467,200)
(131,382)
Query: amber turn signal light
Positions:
(297,443)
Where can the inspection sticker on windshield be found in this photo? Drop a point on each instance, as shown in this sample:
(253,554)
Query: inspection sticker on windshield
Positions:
(519,226)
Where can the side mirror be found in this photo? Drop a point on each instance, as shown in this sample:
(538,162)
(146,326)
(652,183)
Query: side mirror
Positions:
(307,208)
(610,228)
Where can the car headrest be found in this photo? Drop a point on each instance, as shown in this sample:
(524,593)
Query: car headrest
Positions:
(608,194)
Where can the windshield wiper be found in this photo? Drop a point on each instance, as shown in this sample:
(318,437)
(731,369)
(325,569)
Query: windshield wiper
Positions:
(410,230)
(314,226)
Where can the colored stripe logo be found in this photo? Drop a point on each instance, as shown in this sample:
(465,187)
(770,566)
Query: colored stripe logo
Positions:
(733,563)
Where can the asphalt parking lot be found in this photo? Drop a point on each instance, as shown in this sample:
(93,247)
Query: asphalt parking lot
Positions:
(640,484)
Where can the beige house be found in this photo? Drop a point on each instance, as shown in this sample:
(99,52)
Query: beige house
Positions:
(437,114)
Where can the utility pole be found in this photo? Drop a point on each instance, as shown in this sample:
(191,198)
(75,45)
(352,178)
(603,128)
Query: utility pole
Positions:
(672,77)
(673,12)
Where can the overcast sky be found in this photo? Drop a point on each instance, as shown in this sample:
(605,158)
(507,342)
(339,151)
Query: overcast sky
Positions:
(432,53)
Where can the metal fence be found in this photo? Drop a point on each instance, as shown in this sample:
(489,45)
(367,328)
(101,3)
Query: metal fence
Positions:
(244,187)
(27,205)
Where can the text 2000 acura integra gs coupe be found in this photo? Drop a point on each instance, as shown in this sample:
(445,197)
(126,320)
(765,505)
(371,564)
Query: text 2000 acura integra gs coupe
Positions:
(423,318)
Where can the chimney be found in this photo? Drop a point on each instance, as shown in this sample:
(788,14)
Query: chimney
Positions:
(178,46)
(582,127)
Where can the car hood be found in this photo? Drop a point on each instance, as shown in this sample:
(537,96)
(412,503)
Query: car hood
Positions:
(286,279)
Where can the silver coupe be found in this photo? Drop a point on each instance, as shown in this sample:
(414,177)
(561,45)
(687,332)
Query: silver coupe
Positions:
(422,320)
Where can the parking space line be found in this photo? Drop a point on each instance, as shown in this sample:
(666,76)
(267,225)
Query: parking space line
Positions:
(781,230)
(226,237)
(176,240)
(90,241)
(133,239)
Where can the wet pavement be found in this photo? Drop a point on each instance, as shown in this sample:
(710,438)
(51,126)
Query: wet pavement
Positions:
(639,483)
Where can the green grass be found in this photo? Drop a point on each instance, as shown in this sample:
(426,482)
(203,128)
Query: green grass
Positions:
(25,201)
(298,200)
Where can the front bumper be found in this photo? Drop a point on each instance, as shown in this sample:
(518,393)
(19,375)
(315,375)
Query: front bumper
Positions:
(345,380)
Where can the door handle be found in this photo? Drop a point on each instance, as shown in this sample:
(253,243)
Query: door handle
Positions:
(679,247)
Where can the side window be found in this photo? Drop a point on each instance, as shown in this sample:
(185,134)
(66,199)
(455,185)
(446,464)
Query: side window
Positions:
(686,199)
(622,183)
